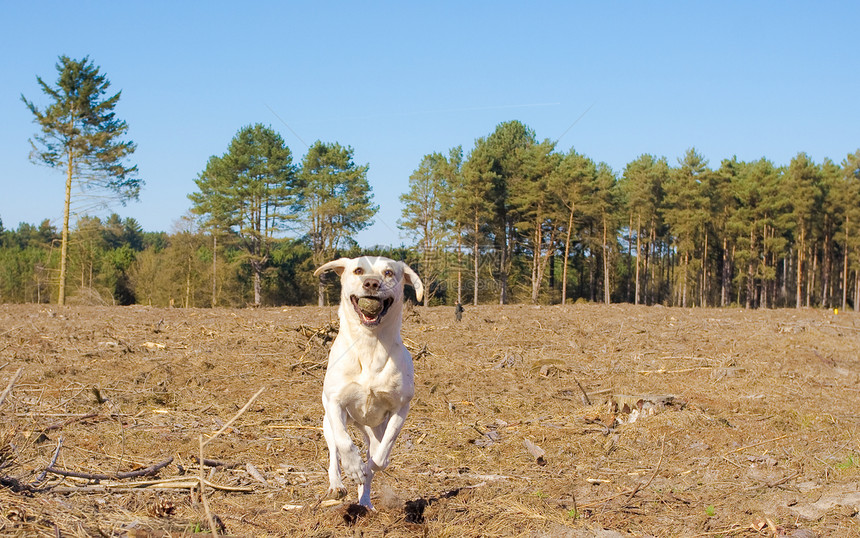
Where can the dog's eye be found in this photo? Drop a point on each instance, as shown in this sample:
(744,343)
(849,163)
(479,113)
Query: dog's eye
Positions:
(388,273)
(358,271)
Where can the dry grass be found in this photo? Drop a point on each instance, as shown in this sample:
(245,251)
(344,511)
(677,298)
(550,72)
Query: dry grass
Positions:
(759,437)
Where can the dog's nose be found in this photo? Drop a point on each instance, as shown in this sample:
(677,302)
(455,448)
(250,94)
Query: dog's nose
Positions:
(371,284)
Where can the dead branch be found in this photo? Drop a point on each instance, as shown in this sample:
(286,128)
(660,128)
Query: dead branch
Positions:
(757,444)
(584,394)
(44,473)
(232,420)
(65,423)
(209,516)
(653,475)
(10,385)
(216,463)
(174,483)
(148,471)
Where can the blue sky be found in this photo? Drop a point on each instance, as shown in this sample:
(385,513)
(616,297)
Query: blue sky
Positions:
(399,80)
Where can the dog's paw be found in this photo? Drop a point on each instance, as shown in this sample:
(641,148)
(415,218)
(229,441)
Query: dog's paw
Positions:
(336,492)
(353,467)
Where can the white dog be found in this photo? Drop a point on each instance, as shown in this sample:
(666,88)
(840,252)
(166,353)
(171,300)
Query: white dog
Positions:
(369,381)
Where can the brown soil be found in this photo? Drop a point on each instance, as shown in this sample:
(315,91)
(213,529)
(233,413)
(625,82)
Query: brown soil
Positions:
(701,422)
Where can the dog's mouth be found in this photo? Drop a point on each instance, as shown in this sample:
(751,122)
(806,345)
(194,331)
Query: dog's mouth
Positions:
(371,309)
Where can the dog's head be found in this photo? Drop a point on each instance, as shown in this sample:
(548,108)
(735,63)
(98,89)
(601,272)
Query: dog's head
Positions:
(372,285)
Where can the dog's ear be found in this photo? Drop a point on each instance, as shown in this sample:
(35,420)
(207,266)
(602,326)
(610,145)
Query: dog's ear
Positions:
(413,280)
(337,266)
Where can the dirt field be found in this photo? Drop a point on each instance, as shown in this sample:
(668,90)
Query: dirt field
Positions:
(701,423)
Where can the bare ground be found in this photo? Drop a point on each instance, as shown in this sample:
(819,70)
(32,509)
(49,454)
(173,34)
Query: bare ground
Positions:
(701,422)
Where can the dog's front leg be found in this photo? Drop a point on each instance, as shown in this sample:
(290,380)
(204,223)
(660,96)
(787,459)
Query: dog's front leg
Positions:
(342,451)
(380,442)
(341,442)
(383,438)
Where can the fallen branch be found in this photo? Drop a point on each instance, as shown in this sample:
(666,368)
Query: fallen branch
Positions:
(180,482)
(653,475)
(584,394)
(44,473)
(232,420)
(151,470)
(209,517)
(635,490)
(10,385)
(757,444)
(216,463)
(72,420)
(680,371)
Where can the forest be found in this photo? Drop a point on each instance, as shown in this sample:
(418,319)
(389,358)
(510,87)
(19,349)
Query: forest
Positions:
(513,219)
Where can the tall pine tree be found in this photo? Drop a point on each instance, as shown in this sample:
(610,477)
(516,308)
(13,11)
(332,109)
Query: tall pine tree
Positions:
(81,135)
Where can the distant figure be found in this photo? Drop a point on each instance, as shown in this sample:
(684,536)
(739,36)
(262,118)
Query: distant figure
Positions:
(458,311)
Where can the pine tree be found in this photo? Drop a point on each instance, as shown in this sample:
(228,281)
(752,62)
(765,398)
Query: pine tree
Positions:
(81,134)
(801,187)
(642,184)
(337,200)
(686,212)
(850,202)
(252,191)
(572,180)
(472,200)
(504,148)
(425,214)
(535,207)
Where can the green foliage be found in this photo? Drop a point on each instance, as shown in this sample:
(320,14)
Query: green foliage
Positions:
(80,129)
(251,191)
(514,220)
(336,197)
(426,212)
(337,201)
(81,134)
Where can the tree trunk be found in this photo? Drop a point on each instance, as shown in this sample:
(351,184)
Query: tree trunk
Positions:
(827,265)
(810,282)
(845,268)
(857,291)
(536,256)
(257,283)
(638,256)
(475,254)
(724,275)
(684,276)
(503,265)
(566,256)
(188,284)
(800,249)
(704,288)
(427,272)
(630,255)
(214,270)
(64,245)
(605,264)
(459,267)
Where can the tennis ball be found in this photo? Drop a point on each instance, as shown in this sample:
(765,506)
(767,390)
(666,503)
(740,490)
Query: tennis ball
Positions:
(370,305)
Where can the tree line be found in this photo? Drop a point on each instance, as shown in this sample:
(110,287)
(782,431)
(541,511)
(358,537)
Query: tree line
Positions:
(515,219)
(753,234)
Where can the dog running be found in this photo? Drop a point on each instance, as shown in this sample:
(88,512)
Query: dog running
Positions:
(369,381)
